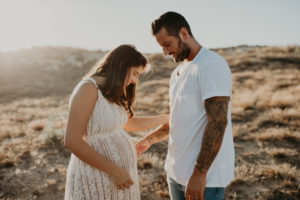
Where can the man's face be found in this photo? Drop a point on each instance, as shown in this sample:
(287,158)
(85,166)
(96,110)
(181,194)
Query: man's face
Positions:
(172,45)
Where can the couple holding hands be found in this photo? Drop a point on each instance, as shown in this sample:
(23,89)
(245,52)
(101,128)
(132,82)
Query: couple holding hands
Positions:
(200,158)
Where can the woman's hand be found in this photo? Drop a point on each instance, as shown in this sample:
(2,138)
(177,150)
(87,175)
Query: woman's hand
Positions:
(142,146)
(121,178)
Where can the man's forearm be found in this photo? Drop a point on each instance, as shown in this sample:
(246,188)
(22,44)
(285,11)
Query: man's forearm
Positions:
(160,134)
(211,144)
(216,109)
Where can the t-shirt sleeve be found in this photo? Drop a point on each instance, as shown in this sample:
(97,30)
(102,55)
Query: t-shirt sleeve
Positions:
(215,80)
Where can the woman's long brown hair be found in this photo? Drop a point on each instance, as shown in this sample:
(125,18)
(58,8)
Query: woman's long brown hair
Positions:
(115,68)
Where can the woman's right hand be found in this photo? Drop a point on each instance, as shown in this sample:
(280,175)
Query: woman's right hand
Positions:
(121,178)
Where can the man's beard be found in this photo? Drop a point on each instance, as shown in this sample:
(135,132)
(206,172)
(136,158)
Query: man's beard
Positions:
(184,51)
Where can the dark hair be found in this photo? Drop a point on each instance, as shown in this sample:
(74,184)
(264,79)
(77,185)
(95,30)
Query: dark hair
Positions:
(115,68)
(172,22)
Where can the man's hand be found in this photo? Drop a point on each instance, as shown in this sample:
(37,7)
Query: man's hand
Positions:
(196,185)
(157,136)
(142,146)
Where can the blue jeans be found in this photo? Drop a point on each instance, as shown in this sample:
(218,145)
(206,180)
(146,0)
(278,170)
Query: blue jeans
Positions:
(177,191)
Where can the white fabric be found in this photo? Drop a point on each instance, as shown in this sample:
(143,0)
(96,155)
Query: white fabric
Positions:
(106,135)
(207,75)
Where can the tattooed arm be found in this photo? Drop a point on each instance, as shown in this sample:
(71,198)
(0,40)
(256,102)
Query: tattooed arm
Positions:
(216,110)
(160,134)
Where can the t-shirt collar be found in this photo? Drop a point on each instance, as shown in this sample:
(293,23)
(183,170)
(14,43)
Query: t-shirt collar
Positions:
(197,57)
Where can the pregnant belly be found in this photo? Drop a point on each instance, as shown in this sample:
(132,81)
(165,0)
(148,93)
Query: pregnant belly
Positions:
(116,147)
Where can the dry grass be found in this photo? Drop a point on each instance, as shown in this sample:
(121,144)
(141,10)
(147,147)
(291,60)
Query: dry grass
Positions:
(277,172)
(152,177)
(37,125)
(272,135)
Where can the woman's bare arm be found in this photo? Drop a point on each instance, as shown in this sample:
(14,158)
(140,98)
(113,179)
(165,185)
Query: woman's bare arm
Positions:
(147,122)
(81,109)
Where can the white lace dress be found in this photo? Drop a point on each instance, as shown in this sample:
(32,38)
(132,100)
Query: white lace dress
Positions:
(106,135)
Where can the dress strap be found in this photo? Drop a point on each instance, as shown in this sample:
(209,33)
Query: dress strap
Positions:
(93,81)
(96,85)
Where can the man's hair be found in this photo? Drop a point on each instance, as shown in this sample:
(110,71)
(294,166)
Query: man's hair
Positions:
(172,22)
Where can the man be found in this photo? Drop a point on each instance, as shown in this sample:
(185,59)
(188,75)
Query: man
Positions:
(200,158)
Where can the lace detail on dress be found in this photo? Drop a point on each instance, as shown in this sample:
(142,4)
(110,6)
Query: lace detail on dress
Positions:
(106,135)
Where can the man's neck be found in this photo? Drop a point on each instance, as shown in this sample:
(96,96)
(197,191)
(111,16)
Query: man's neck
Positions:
(195,48)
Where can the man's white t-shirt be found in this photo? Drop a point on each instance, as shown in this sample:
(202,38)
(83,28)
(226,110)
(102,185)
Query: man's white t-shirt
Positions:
(206,76)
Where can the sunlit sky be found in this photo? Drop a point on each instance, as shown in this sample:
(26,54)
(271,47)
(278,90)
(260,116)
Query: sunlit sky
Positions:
(99,24)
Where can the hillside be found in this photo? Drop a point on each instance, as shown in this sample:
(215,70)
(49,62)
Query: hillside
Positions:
(35,85)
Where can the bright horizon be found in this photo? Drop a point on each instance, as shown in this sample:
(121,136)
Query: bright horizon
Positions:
(103,25)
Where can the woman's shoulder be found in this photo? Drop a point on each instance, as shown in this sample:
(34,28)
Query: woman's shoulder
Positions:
(85,91)
(88,86)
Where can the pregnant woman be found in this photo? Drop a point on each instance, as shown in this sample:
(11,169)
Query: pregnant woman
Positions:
(103,163)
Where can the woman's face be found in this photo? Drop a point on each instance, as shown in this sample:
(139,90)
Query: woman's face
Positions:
(133,75)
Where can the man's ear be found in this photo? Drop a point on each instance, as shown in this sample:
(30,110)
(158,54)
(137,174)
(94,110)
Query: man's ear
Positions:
(183,34)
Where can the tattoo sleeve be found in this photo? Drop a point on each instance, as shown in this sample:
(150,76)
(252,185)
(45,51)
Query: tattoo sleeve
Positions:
(216,110)
(160,134)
